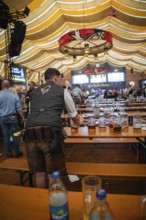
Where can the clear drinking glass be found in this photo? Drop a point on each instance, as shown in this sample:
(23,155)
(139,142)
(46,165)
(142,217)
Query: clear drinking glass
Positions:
(117,127)
(96,112)
(143,207)
(106,112)
(74,127)
(124,122)
(137,122)
(91,125)
(110,122)
(102,122)
(90,184)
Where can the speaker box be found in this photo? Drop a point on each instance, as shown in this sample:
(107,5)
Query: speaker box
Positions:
(14,49)
(3,23)
(17,37)
(4,15)
(18,33)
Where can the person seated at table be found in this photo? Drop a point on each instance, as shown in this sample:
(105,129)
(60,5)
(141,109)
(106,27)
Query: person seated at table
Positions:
(43,134)
(85,94)
(128,91)
(137,92)
(144,90)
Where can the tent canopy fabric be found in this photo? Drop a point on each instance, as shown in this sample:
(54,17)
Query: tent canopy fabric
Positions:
(50,19)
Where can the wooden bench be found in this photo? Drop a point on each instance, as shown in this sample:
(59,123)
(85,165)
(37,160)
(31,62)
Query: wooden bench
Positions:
(107,169)
(20,165)
(133,142)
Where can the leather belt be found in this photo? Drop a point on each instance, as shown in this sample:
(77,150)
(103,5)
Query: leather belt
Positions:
(39,133)
(15,114)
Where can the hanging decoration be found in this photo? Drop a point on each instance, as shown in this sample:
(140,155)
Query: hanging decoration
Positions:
(89,71)
(99,70)
(85,42)
(111,12)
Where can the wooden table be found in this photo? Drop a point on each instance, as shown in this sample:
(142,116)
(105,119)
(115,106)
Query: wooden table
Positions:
(105,133)
(24,203)
(126,108)
(86,115)
(83,132)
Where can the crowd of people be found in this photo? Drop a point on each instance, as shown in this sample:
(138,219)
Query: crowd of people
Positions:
(43,125)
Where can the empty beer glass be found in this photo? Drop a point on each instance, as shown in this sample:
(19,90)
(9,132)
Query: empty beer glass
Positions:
(90,184)
(102,122)
(96,112)
(137,122)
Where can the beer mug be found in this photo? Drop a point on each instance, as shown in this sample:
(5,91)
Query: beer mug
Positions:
(106,112)
(117,127)
(96,112)
(91,125)
(74,127)
(124,122)
(137,122)
(110,122)
(102,122)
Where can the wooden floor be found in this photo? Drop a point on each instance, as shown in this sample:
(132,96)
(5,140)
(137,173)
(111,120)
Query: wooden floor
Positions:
(91,153)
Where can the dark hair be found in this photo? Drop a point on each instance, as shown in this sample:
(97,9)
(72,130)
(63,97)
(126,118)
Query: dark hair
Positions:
(32,82)
(50,73)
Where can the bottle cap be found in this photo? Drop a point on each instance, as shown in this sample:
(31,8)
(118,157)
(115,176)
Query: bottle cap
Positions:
(101,194)
(56,174)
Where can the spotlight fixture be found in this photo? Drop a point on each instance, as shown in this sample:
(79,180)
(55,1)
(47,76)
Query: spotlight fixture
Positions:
(131,71)
(66,53)
(26,11)
(74,58)
(95,56)
(87,50)
(19,14)
(105,51)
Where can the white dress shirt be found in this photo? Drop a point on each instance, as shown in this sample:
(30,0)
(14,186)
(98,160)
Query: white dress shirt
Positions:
(70,106)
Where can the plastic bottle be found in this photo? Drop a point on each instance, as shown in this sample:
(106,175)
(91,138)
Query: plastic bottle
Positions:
(58,198)
(101,209)
(143,207)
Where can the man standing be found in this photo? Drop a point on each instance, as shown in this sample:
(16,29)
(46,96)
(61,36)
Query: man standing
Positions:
(27,96)
(43,134)
(9,108)
(77,95)
(144,90)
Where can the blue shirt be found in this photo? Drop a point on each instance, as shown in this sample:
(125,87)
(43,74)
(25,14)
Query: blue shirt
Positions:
(9,103)
(77,93)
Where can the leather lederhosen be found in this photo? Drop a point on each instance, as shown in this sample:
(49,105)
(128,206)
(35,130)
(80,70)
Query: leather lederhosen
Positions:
(48,134)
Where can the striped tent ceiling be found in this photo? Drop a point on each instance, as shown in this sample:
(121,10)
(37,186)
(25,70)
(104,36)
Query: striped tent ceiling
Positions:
(50,19)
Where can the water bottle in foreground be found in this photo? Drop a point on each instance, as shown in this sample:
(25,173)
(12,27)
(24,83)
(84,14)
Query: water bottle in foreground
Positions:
(101,209)
(58,198)
(143,207)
